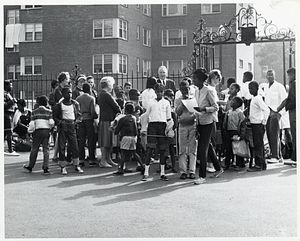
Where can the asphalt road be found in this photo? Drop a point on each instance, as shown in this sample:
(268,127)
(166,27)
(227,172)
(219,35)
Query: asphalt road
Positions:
(98,204)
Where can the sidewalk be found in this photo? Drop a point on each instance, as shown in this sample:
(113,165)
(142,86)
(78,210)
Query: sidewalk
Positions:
(98,204)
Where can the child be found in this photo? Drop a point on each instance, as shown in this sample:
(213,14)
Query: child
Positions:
(234,89)
(127,130)
(127,88)
(169,95)
(9,108)
(187,133)
(232,124)
(40,125)
(258,116)
(149,93)
(138,111)
(158,115)
(67,115)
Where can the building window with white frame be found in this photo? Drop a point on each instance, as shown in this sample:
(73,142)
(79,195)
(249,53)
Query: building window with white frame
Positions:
(31,65)
(174,37)
(122,29)
(137,64)
(147,9)
(175,66)
(33,31)
(30,6)
(122,64)
(13,71)
(110,63)
(241,64)
(174,9)
(138,32)
(110,28)
(146,68)
(14,49)
(147,37)
(249,66)
(210,8)
(13,16)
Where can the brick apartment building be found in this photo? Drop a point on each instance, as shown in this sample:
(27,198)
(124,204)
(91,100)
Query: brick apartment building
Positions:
(127,39)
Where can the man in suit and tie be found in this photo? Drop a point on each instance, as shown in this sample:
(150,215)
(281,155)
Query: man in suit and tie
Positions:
(162,78)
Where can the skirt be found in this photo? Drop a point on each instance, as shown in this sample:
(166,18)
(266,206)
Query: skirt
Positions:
(105,136)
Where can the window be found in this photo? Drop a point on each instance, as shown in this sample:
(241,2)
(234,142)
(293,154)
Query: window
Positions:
(174,9)
(122,64)
(249,66)
(13,71)
(175,66)
(210,8)
(147,9)
(31,65)
(30,6)
(15,49)
(110,28)
(122,29)
(137,65)
(33,32)
(146,67)
(146,37)
(174,37)
(138,32)
(13,16)
(241,63)
(110,63)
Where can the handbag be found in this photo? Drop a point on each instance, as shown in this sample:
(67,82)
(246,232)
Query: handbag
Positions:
(241,148)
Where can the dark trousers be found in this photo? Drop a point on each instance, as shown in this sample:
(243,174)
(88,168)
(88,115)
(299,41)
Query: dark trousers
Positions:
(258,131)
(40,136)
(86,132)
(273,132)
(229,152)
(292,115)
(67,133)
(205,132)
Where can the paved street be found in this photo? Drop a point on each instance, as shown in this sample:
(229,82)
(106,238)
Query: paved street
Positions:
(98,204)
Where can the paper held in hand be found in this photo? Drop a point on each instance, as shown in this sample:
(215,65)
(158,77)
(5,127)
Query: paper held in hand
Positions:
(190,104)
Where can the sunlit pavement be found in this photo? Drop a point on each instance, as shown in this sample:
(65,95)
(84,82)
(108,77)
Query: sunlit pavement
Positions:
(98,204)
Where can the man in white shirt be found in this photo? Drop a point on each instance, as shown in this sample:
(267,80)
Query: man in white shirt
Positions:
(275,93)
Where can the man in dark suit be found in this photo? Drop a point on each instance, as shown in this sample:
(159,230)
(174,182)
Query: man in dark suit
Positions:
(162,78)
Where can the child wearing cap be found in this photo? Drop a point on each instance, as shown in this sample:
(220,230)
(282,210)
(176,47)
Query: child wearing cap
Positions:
(40,125)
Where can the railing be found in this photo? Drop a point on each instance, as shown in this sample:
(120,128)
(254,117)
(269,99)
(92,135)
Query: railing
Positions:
(29,87)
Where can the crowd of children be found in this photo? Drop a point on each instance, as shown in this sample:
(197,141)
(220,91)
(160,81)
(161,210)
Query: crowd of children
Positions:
(155,124)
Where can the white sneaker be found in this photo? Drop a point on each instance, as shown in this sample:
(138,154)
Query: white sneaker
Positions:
(210,169)
(272,160)
(200,181)
(104,165)
(78,170)
(63,171)
(11,153)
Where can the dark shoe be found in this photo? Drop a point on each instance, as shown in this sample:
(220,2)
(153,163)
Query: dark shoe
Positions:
(119,172)
(254,169)
(27,169)
(167,167)
(164,178)
(183,176)
(126,170)
(81,164)
(145,178)
(174,170)
(264,167)
(46,172)
(192,176)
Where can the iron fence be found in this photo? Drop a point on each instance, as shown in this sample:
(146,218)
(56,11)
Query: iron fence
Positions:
(29,87)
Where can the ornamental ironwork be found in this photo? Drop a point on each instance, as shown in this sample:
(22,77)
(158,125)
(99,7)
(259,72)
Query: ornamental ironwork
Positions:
(245,27)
